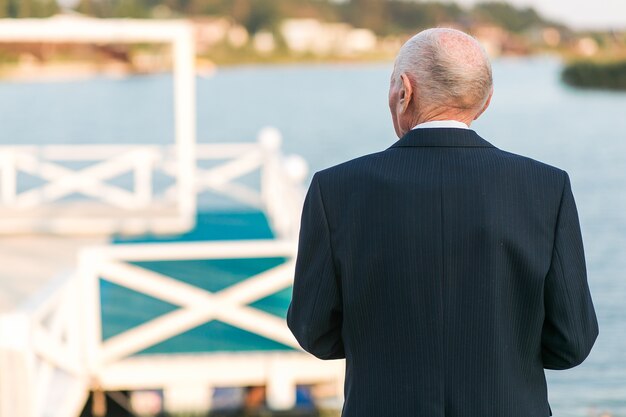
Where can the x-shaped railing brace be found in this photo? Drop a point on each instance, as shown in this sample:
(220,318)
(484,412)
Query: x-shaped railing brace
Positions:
(198,306)
(88,181)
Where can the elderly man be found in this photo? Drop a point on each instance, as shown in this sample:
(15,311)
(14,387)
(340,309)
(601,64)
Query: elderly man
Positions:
(448,273)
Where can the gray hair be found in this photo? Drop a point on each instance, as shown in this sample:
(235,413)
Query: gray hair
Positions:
(450,67)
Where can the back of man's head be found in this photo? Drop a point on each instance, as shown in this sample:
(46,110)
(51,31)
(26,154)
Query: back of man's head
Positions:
(449,68)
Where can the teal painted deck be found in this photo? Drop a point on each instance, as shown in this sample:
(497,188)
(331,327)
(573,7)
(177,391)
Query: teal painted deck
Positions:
(123,309)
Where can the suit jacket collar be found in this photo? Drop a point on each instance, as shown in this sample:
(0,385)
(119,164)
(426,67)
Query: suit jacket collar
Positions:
(449,137)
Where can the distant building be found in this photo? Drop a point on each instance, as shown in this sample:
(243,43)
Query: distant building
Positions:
(320,38)
(238,36)
(551,36)
(360,40)
(587,46)
(264,42)
(498,41)
(213,31)
(491,37)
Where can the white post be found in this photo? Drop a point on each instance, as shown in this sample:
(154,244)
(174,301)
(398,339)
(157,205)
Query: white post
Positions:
(270,140)
(296,169)
(143,179)
(191,397)
(9,178)
(91,325)
(17,385)
(281,389)
(185,121)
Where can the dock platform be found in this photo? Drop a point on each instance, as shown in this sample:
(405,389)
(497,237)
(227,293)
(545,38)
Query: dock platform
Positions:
(182,312)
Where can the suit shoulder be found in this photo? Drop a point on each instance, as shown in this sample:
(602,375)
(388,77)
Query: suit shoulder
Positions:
(353,166)
(530,165)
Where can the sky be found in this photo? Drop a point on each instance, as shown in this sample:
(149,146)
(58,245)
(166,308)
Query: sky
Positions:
(579,14)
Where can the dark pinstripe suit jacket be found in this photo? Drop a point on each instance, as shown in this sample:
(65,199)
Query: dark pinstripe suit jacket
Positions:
(448,273)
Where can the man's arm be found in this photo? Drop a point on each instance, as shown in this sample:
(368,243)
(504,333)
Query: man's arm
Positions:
(570,326)
(315,313)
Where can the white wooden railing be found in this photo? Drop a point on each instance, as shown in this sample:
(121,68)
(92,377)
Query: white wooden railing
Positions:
(111,363)
(145,204)
(55,352)
(120,209)
(196,305)
(60,181)
(42,354)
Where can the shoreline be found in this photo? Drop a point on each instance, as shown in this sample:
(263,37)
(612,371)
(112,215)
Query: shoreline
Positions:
(64,71)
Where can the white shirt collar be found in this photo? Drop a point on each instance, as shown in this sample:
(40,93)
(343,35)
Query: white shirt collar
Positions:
(442,123)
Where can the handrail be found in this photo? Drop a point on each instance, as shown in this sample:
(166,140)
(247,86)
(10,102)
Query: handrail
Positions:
(62,329)
(144,204)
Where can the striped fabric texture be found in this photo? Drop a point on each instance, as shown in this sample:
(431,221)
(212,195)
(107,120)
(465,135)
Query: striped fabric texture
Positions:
(448,273)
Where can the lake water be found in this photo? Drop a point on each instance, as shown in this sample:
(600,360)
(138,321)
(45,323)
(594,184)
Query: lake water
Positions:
(332,113)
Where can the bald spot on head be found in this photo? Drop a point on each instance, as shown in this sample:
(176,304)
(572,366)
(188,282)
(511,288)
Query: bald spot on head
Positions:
(448,67)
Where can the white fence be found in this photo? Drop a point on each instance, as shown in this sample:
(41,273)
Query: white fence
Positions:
(51,350)
(111,364)
(57,353)
(143,204)
(196,306)
(32,211)
(42,355)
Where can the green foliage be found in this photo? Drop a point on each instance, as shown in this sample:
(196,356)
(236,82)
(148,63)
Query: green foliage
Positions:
(118,8)
(317,9)
(262,14)
(256,15)
(587,74)
(509,17)
(372,14)
(28,8)
(382,16)
(131,8)
(408,16)
(8,57)
(398,16)
(45,8)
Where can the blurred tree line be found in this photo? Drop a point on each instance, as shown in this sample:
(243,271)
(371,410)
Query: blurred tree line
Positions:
(28,8)
(599,75)
(382,16)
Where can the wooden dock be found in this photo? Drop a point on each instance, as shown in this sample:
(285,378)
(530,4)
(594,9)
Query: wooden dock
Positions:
(184,312)
(32,262)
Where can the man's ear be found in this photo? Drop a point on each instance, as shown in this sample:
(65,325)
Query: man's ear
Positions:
(406,93)
(485,106)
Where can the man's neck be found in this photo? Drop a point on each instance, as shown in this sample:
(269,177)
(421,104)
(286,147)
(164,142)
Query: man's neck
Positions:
(444,113)
(442,123)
